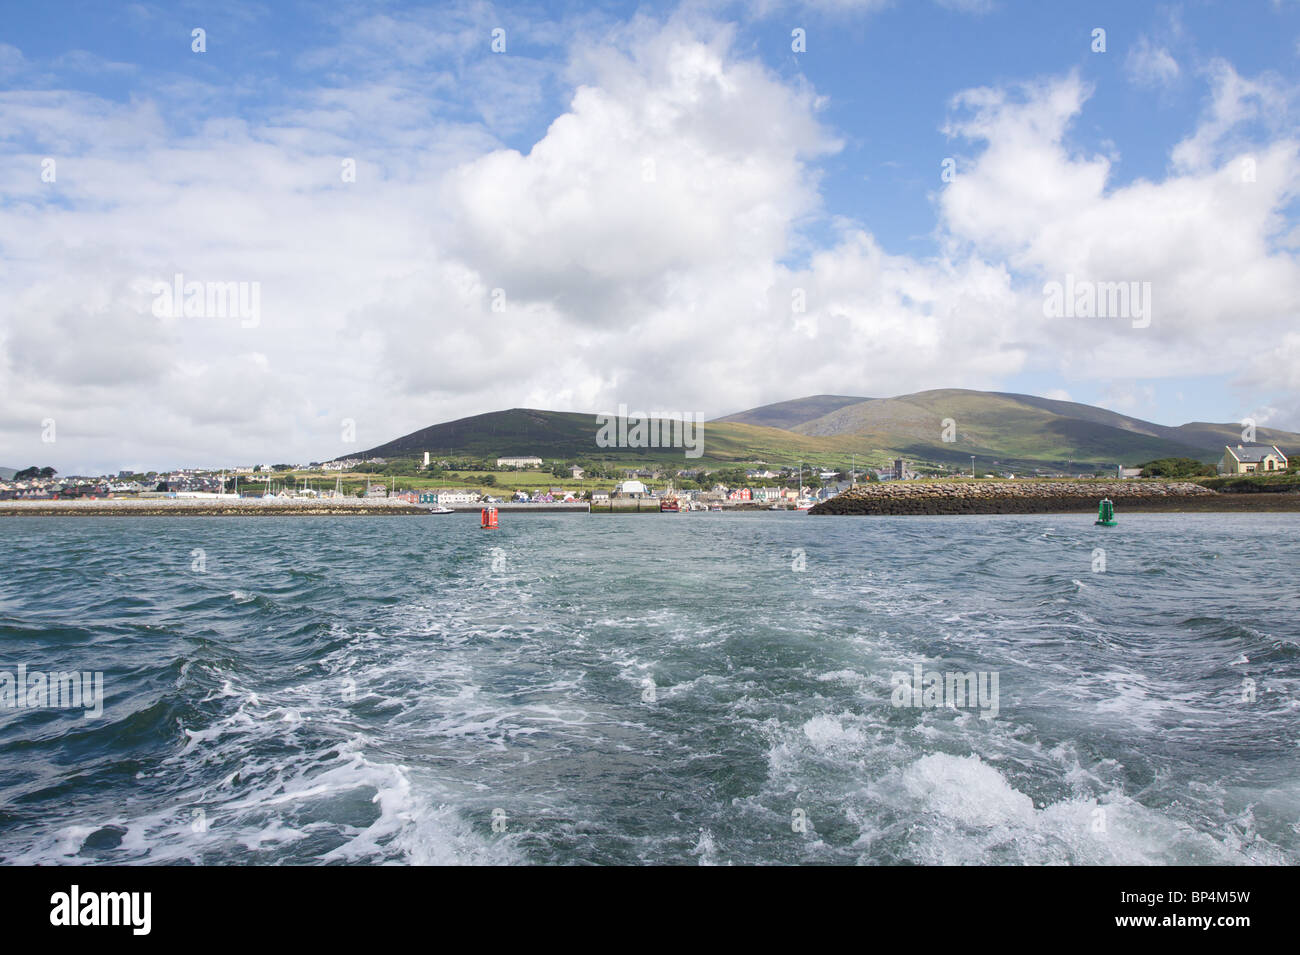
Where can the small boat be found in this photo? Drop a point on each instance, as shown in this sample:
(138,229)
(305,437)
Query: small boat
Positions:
(716,507)
(669,501)
(1105,513)
(439,509)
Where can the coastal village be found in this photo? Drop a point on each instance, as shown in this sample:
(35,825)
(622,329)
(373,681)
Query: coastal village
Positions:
(522,480)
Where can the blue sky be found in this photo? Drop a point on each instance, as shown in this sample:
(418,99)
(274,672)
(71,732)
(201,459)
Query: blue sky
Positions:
(776,170)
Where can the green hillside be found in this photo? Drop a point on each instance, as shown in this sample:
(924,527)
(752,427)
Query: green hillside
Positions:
(1024,430)
(789,414)
(1016,431)
(572,436)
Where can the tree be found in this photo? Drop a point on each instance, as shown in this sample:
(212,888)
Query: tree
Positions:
(488,480)
(1176,468)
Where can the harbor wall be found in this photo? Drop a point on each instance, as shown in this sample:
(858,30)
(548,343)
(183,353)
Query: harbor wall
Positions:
(1044,497)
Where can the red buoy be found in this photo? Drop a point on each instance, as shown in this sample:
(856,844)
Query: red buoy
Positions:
(488,518)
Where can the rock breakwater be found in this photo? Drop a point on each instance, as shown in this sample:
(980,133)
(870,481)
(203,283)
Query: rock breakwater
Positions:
(1037,497)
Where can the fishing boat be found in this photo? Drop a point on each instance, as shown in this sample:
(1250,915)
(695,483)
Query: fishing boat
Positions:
(441,509)
(1105,513)
(669,501)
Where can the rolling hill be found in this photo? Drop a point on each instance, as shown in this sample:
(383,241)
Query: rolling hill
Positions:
(789,414)
(1024,430)
(1018,431)
(572,436)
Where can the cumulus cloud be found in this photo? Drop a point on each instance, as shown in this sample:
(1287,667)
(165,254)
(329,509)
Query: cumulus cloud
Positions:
(642,250)
(1206,238)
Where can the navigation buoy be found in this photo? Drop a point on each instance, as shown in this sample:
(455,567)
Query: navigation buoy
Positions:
(1106,513)
(488,519)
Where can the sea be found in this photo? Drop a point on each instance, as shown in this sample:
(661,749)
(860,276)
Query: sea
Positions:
(676,689)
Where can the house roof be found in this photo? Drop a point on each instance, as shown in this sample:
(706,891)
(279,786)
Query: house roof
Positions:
(1254,453)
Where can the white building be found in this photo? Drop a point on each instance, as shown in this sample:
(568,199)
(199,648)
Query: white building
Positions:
(630,489)
(1252,459)
(528,462)
(448,498)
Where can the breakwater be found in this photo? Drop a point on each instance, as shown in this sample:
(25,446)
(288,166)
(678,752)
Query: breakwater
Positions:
(1044,497)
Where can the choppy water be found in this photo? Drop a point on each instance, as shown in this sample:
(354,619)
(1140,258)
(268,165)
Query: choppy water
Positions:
(331,690)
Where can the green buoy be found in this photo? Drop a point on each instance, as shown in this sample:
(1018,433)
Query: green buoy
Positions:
(1106,513)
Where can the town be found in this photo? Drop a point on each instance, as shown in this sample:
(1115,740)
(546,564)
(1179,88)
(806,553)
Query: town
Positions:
(530,479)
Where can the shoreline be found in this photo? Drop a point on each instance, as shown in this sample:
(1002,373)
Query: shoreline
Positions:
(171,507)
(183,508)
(900,499)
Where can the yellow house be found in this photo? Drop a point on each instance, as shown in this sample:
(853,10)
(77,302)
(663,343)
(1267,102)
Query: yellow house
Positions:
(1252,459)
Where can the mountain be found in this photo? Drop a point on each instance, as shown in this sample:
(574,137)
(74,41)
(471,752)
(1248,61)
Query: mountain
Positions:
(562,434)
(1017,431)
(519,431)
(7,474)
(788,414)
(1023,429)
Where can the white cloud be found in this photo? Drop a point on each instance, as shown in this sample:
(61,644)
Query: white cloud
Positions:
(666,283)
(1235,102)
(1151,65)
(11,60)
(83,61)
(1205,238)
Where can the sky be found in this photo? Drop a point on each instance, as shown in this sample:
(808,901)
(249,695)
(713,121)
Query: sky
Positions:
(434,211)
